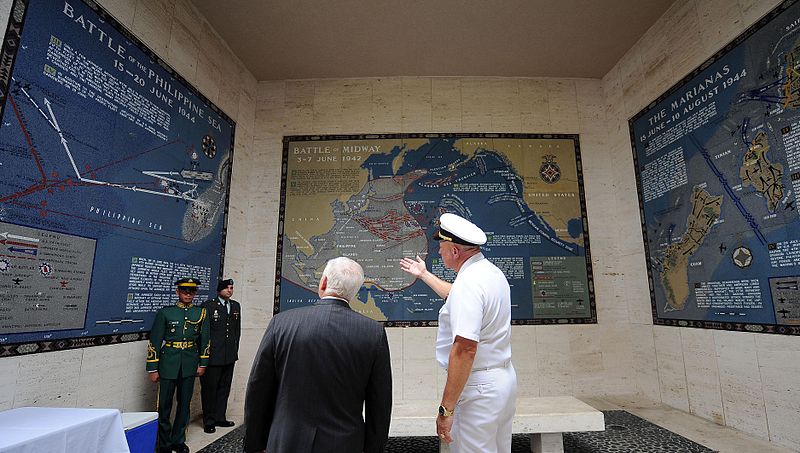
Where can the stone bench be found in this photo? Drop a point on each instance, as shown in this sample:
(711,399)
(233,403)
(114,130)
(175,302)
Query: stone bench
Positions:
(544,418)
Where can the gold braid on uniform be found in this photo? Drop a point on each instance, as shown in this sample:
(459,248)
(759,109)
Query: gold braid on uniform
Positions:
(207,351)
(151,353)
(202,317)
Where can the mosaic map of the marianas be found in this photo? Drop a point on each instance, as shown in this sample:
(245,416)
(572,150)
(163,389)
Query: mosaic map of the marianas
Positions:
(718,162)
(377,198)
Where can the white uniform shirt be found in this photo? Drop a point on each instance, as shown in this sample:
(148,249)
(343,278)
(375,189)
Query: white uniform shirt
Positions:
(478,308)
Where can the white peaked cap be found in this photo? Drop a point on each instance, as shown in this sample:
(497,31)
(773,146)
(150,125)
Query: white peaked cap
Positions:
(459,230)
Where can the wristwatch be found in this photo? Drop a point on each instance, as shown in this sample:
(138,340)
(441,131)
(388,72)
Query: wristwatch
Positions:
(444,412)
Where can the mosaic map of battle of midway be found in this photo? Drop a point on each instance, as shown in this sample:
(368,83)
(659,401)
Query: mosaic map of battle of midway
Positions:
(377,199)
(718,161)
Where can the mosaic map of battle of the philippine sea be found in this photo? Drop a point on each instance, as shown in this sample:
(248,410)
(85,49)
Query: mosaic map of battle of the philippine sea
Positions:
(377,198)
(718,163)
(115,181)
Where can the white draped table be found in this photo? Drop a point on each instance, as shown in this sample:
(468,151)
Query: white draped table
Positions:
(61,430)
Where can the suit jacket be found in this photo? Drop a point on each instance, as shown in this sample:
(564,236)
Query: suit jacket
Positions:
(226,328)
(178,323)
(315,368)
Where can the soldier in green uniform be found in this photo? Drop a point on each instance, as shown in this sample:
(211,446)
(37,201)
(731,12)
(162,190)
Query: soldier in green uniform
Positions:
(178,351)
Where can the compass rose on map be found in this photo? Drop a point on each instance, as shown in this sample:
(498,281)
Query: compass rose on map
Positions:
(550,171)
(742,257)
(4,265)
(209,146)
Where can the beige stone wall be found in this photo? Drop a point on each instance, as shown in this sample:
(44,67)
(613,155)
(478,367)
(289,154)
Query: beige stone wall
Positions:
(114,375)
(588,360)
(742,380)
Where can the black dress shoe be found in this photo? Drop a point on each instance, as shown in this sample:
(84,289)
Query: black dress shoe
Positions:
(225,424)
(182,448)
(209,429)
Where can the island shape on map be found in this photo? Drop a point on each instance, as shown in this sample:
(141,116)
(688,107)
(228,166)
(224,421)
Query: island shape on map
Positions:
(674,276)
(759,172)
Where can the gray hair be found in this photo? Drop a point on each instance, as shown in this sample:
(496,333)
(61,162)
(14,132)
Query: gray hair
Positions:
(345,277)
(467,248)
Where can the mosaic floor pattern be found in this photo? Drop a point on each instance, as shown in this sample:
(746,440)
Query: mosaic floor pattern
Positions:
(625,433)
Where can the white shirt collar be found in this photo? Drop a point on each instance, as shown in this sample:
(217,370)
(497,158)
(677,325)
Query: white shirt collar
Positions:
(471,260)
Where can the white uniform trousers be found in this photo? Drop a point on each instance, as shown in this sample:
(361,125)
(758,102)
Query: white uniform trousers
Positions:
(483,416)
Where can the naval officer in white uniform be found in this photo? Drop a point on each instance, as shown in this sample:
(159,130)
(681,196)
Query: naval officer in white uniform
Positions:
(473,342)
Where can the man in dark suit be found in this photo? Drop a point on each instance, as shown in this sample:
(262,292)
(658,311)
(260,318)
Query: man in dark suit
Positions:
(225,318)
(315,369)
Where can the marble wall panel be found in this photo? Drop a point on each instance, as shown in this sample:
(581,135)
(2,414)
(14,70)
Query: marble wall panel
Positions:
(554,362)
(490,104)
(702,377)
(246,111)
(9,374)
(49,379)
(152,24)
(416,104)
(525,358)
(752,10)
(182,52)
(524,347)
(420,378)
(229,88)
(270,112)
(140,394)
(534,105)
(721,24)
(591,108)
(248,345)
(633,286)
(655,62)
(671,367)
(234,268)
(563,102)
(684,27)
(102,375)
(446,108)
(299,107)
(186,15)
(395,339)
(631,84)
(357,102)
(208,79)
(387,101)
(122,10)
(645,365)
(779,366)
(329,116)
(740,380)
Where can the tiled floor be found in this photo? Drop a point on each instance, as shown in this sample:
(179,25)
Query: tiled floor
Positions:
(624,433)
(710,435)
